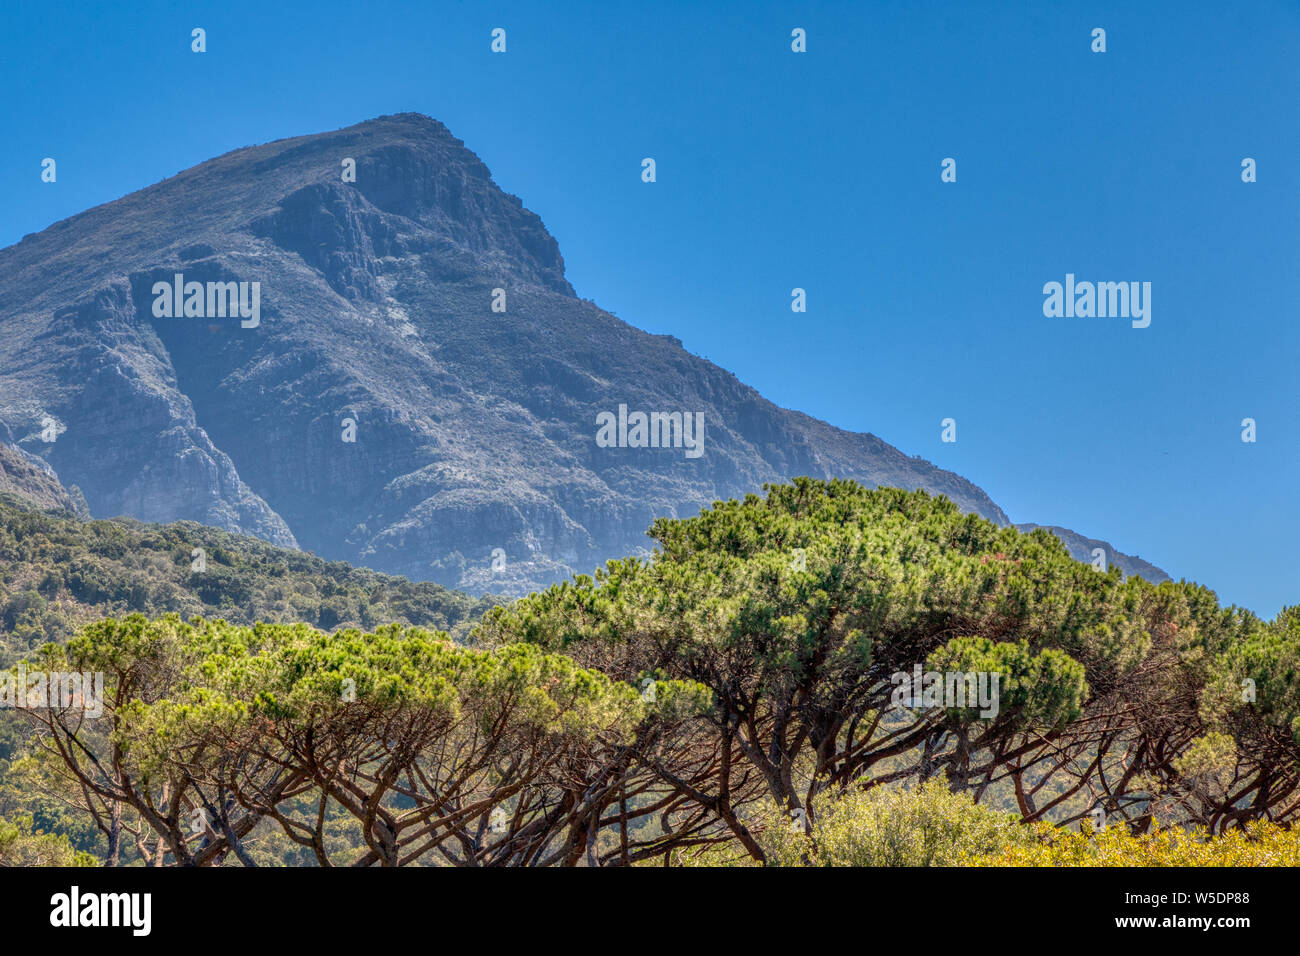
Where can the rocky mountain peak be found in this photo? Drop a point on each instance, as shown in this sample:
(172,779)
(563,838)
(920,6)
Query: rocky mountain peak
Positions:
(398,373)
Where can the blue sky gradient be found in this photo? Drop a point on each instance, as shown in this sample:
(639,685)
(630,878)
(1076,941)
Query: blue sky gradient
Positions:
(821,170)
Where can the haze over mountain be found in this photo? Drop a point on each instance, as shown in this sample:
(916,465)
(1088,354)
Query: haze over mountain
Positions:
(475,430)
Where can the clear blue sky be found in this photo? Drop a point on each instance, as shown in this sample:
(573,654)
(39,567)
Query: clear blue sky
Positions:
(821,170)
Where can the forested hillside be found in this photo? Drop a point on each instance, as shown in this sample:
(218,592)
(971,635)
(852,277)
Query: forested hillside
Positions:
(58,573)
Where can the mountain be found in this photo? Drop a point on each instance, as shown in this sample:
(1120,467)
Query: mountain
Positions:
(1081,549)
(369,315)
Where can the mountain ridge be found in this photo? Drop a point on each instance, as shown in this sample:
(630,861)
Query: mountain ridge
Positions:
(1082,548)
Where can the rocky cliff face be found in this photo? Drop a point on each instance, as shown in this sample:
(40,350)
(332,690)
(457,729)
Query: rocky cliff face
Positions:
(31,479)
(475,461)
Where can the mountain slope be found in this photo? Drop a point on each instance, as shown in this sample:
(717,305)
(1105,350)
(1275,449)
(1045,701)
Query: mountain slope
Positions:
(1081,549)
(475,430)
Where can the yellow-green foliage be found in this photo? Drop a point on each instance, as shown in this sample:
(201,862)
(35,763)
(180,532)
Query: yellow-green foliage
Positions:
(885,826)
(1261,844)
(227,676)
